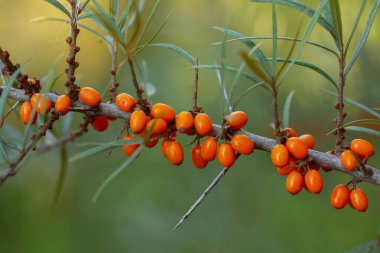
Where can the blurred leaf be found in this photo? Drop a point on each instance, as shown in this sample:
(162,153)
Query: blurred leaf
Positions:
(227,103)
(59,6)
(150,89)
(360,13)
(274,32)
(66,123)
(336,20)
(104,147)
(149,20)
(177,49)
(86,15)
(116,172)
(357,122)
(286,110)
(244,93)
(46,87)
(246,74)
(3,152)
(56,79)
(5,91)
(61,177)
(353,102)
(85,4)
(327,13)
(363,130)
(255,68)
(363,248)
(364,36)
(9,143)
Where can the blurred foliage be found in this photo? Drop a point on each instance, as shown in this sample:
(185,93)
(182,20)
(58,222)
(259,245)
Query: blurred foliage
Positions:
(250,210)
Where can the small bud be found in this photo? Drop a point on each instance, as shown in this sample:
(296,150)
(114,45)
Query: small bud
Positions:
(76,64)
(69,40)
(76,49)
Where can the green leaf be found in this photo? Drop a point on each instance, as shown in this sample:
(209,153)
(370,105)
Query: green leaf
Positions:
(286,110)
(256,69)
(250,44)
(354,103)
(104,147)
(357,122)
(177,49)
(123,166)
(246,74)
(5,91)
(46,87)
(274,32)
(364,36)
(149,20)
(3,152)
(360,13)
(61,177)
(336,20)
(85,4)
(327,13)
(363,130)
(7,142)
(59,6)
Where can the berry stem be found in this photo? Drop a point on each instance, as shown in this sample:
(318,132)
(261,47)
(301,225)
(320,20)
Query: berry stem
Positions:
(277,123)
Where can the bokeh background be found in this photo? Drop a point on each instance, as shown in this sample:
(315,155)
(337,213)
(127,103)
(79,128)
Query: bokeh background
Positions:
(250,210)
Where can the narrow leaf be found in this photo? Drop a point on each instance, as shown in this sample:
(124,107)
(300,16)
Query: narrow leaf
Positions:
(274,32)
(10,144)
(177,49)
(360,13)
(286,110)
(246,74)
(336,20)
(255,68)
(61,177)
(59,6)
(357,122)
(246,92)
(5,91)
(363,130)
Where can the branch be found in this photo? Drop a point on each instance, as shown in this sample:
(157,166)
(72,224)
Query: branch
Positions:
(114,83)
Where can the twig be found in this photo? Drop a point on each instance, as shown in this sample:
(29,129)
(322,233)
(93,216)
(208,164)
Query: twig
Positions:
(195,95)
(135,83)
(114,83)
(340,106)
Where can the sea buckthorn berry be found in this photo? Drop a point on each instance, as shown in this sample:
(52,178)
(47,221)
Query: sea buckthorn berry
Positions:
(163,111)
(89,96)
(125,102)
(226,155)
(280,155)
(174,152)
(156,126)
(289,132)
(153,142)
(285,170)
(203,124)
(62,104)
(100,123)
(313,181)
(294,182)
(25,113)
(237,120)
(184,122)
(43,105)
(137,122)
(340,196)
(129,149)
(297,148)
(358,200)
(209,149)
(308,139)
(164,145)
(348,160)
(362,148)
(242,144)
(196,157)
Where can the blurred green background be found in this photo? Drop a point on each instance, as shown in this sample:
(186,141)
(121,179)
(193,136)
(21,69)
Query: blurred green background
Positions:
(250,210)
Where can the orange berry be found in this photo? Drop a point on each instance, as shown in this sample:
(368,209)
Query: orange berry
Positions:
(100,123)
(285,170)
(125,102)
(237,120)
(289,132)
(362,148)
(62,104)
(313,181)
(164,145)
(280,155)
(226,155)
(156,126)
(297,148)
(340,196)
(196,157)
(184,122)
(294,182)
(308,139)
(89,96)
(137,122)
(242,144)
(163,111)
(129,149)
(358,200)
(209,149)
(174,152)
(348,160)
(25,113)
(203,124)
(44,104)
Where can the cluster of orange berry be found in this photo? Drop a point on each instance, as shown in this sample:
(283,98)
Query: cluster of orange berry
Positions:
(356,198)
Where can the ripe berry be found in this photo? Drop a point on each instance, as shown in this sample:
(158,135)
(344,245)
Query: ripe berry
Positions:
(285,170)
(280,155)
(163,111)
(25,113)
(289,132)
(313,181)
(197,158)
(237,119)
(308,139)
(125,102)
(297,148)
(362,148)
(174,152)
(89,96)
(348,160)
(100,123)
(203,124)
(137,122)
(209,149)
(62,104)
(164,145)
(340,196)
(156,126)
(226,155)
(294,182)
(184,122)
(43,105)
(242,144)
(129,149)
(358,200)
